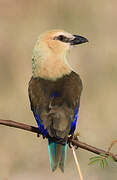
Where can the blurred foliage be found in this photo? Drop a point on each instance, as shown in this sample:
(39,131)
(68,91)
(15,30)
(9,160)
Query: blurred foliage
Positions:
(103,159)
(22,155)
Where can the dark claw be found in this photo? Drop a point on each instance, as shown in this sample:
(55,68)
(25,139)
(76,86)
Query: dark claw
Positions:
(75,137)
(44,137)
(70,143)
(38,135)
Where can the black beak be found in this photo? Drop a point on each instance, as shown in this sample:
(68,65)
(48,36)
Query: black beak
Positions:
(78,40)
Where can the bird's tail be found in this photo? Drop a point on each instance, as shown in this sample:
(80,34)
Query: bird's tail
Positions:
(57,155)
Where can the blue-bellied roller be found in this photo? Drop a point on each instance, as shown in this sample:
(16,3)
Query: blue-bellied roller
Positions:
(54,91)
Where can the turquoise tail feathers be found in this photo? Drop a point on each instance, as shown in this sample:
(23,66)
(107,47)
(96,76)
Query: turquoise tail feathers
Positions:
(57,155)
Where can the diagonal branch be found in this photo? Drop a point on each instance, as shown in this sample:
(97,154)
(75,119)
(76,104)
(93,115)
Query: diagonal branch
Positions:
(74,142)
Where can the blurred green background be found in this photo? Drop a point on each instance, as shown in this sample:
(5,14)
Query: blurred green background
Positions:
(23,155)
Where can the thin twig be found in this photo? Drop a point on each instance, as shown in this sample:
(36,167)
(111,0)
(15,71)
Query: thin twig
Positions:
(77,163)
(74,142)
(111,145)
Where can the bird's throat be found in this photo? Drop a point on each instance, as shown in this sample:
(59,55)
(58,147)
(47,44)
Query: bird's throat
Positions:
(50,69)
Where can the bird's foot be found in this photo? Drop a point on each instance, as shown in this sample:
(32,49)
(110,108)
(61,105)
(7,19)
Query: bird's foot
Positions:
(74,137)
(38,135)
(43,136)
(70,137)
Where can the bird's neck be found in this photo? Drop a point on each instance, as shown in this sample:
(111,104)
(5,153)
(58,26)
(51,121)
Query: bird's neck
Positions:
(50,66)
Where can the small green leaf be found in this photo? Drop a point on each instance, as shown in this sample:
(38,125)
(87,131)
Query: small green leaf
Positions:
(102,163)
(104,155)
(95,157)
(105,162)
(111,158)
(103,158)
(94,161)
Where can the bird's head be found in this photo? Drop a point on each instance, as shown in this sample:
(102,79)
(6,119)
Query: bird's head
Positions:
(58,41)
(49,54)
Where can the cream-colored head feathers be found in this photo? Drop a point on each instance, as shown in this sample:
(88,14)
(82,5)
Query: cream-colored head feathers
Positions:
(49,55)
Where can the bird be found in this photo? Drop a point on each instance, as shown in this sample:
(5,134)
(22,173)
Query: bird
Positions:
(54,91)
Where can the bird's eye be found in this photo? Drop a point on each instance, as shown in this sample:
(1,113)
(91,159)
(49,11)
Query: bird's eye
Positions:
(61,38)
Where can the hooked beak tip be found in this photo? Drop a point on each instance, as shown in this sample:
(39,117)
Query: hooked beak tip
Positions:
(78,40)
